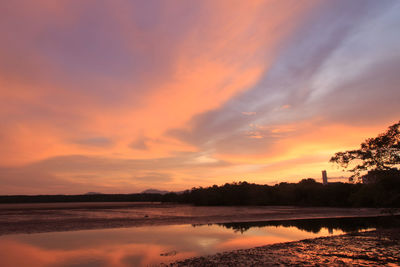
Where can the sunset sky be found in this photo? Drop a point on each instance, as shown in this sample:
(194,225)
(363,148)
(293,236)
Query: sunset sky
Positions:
(121,96)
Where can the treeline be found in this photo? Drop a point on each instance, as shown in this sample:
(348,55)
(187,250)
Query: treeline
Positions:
(143,197)
(383,193)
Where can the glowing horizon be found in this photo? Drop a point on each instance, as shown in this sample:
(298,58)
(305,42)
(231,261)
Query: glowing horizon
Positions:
(122,96)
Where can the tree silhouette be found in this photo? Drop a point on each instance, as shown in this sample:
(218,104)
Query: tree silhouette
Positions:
(375,154)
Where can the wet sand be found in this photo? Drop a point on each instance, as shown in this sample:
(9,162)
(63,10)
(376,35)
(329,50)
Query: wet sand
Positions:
(52,217)
(373,248)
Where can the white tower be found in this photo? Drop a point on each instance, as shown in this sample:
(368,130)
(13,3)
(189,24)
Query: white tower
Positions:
(324,178)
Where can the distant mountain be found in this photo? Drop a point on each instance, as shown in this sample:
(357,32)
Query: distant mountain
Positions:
(154,191)
(93,193)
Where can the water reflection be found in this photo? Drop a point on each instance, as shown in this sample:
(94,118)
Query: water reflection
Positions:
(346,225)
(151,245)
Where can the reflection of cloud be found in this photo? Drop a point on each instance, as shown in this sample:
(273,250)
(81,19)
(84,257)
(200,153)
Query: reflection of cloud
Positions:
(95,255)
(137,246)
(253,241)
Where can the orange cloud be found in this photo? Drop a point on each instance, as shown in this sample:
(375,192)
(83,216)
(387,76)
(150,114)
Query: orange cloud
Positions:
(222,55)
(89,83)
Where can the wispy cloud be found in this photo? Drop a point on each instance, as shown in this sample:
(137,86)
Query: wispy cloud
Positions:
(190,92)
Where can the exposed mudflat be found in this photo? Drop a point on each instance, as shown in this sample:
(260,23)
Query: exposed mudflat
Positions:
(52,217)
(373,248)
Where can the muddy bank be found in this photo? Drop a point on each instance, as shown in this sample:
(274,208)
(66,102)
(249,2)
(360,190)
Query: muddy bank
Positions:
(52,217)
(374,248)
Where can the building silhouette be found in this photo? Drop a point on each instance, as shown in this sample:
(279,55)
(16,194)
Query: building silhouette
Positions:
(324,178)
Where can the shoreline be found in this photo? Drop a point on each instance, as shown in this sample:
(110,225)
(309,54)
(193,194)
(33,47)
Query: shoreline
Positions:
(379,247)
(56,218)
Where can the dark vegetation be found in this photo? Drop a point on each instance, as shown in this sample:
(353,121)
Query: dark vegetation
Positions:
(384,192)
(381,153)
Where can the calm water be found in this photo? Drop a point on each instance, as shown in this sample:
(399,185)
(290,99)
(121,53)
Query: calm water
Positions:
(151,245)
(137,246)
(91,234)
